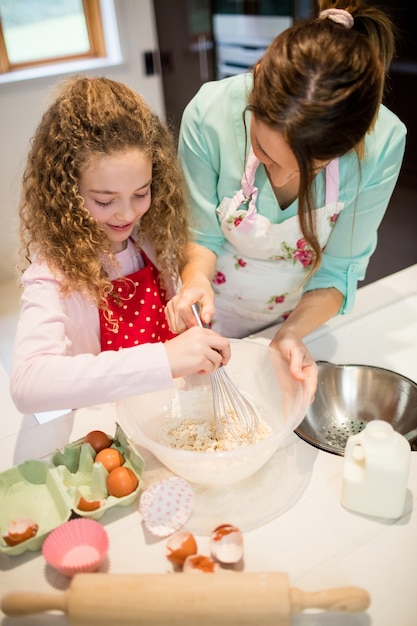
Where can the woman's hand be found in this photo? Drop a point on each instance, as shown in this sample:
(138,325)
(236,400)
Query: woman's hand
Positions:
(197,350)
(196,287)
(302,365)
(178,310)
(313,310)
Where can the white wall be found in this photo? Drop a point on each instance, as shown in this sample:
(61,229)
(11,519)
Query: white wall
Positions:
(22,103)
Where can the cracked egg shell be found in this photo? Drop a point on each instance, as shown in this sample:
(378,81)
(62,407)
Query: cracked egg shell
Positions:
(20,530)
(89,505)
(200,564)
(226,544)
(179,546)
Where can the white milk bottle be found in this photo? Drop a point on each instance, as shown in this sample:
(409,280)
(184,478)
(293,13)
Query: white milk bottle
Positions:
(375,471)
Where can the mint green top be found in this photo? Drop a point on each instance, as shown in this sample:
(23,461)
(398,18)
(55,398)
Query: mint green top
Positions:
(212,153)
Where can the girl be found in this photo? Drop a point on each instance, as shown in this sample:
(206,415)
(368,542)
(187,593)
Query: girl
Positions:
(103,206)
(290,170)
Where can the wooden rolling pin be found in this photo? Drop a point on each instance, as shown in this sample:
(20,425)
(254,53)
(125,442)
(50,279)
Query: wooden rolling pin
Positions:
(244,598)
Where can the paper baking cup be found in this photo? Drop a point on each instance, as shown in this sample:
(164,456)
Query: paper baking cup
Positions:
(79,545)
(166,505)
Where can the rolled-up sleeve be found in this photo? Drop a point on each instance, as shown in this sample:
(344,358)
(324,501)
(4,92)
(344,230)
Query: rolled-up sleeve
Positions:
(211,149)
(365,191)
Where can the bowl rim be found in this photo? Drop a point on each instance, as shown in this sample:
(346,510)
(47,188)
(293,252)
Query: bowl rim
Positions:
(365,366)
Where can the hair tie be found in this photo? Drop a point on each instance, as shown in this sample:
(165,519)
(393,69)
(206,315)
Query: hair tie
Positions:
(340,16)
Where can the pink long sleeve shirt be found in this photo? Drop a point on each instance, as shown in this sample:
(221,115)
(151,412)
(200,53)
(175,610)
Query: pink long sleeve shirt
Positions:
(57,360)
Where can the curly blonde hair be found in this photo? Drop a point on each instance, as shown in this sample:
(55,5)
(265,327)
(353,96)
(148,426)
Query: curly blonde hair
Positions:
(90,118)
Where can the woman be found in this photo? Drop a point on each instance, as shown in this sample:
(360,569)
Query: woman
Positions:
(290,170)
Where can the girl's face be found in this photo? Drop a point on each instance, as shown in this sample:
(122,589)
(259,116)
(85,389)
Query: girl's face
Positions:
(117,191)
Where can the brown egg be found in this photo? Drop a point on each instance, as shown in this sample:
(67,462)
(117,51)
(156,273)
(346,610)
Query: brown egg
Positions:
(110,458)
(200,564)
(180,545)
(121,481)
(98,440)
(226,544)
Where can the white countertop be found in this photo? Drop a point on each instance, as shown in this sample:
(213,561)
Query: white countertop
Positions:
(317,542)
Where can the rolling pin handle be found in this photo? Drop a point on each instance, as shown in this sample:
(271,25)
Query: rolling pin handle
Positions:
(344,599)
(17,604)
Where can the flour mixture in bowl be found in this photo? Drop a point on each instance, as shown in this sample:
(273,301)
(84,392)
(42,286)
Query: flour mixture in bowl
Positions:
(191,424)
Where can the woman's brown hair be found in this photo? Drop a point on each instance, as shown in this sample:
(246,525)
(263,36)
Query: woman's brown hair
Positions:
(321,85)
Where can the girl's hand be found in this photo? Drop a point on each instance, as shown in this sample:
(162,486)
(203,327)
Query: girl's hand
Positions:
(197,350)
(302,365)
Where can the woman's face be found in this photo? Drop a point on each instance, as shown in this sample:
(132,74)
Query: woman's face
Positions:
(273,151)
(117,191)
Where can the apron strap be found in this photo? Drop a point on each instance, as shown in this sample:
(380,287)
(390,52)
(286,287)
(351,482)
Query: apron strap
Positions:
(246,197)
(248,178)
(332,181)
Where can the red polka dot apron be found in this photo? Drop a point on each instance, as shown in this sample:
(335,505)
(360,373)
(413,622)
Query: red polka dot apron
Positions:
(262,265)
(136,312)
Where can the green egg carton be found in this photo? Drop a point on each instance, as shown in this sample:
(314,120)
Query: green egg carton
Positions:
(31,490)
(48,492)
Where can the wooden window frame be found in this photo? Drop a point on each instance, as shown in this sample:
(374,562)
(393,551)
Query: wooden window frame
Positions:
(93,19)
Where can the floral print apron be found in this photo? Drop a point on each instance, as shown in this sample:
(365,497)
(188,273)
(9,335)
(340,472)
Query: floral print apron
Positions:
(262,266)
(136,312)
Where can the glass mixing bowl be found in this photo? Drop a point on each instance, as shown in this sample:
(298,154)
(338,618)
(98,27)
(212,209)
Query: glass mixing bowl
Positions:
(259,372)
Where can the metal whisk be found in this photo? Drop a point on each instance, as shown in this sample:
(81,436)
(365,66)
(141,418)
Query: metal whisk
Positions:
(233,412)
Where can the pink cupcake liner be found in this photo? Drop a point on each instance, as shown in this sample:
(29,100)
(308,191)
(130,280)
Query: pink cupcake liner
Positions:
(79,545)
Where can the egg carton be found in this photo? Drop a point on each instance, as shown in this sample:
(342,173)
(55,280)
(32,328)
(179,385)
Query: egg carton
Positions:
(48,491)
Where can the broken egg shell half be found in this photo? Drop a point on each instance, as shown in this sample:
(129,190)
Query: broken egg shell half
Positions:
(179,546)
(90,505)
(20,530)
(226,544)
(200,564)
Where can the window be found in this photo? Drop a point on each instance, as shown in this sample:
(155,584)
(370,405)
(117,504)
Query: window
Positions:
(36,34)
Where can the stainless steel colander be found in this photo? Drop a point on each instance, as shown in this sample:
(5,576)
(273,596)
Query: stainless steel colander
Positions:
(349,396)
